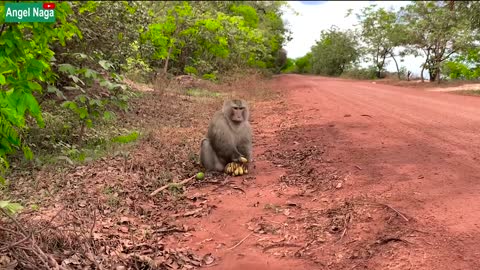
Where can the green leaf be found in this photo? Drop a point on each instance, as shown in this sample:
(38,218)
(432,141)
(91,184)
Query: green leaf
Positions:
(89,123)
(76,79)
(34,86)
(55,90)
(67,68)
(27,152)
(12,208)
(82,113)
(108,115)
(82,98)
(105,64)
(2,80)
(89,73)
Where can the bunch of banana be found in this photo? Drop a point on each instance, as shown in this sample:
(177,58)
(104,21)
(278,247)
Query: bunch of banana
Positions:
(236,169)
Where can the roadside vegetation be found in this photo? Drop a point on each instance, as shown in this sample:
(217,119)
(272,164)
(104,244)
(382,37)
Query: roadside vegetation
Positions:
(444,33)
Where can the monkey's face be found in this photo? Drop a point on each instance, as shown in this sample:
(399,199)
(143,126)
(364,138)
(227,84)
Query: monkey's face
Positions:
(237,114)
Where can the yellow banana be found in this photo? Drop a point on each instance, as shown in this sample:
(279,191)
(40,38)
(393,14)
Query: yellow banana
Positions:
(229,168)
(243,160)
(240,170)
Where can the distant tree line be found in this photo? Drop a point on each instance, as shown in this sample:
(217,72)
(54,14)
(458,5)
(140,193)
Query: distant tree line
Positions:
(444,33)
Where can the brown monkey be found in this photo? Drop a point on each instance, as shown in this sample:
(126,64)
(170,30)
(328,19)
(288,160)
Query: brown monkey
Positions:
(229,137)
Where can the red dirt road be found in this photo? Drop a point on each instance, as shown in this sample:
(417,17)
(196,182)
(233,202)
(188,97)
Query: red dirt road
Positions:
(352,175)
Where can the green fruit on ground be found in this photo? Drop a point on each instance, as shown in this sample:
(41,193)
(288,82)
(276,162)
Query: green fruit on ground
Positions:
(200,176)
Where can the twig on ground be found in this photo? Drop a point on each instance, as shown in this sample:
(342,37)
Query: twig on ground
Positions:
(396,211)
(189,213)
(279,245)
(50,221)
(167,185)
(3,249)
(15,222)
(94,222)
(241,241)
(238,188)
(345,225)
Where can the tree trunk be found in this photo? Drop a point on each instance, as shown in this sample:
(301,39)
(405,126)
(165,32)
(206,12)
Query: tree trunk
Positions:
(432,74)
(432,71)
(438,74)
(427,54)
(82,133)
(165,67)
(421,72)
(396,64)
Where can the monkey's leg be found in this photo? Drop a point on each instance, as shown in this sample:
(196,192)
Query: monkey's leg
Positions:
(208,157)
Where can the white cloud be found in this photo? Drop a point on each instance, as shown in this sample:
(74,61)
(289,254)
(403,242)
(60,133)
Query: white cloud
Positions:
(313,18)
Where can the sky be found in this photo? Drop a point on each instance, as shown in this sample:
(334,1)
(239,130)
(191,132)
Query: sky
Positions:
(315,16)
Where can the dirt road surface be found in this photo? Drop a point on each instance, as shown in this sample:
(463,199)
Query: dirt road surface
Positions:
(352,175)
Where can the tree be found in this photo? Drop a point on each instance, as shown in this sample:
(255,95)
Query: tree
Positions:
(334,52)
(438,30)
(304,63)
(471,9)
(464,66)
(382,34)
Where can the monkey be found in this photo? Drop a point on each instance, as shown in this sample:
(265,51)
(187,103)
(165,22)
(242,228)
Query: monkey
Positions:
(229,137)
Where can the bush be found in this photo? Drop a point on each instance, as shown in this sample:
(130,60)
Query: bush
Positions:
(369,73)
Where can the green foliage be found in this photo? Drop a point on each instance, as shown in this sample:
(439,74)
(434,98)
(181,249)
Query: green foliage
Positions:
(209,76)
(190,70)
(304,63)
(65,69)
(126,138)
(470,9)
(10,208)
(248,13)
(88,104)
(381,33)
(110,28)
(216,37)
(289,66)
(438,30)
(25,57)
(361,73)
(334,52)
(464,66)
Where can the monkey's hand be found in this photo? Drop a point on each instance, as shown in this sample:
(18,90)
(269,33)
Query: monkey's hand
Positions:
(236,169)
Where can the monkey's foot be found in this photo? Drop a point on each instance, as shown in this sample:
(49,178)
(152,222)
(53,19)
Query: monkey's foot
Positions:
(236,169)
